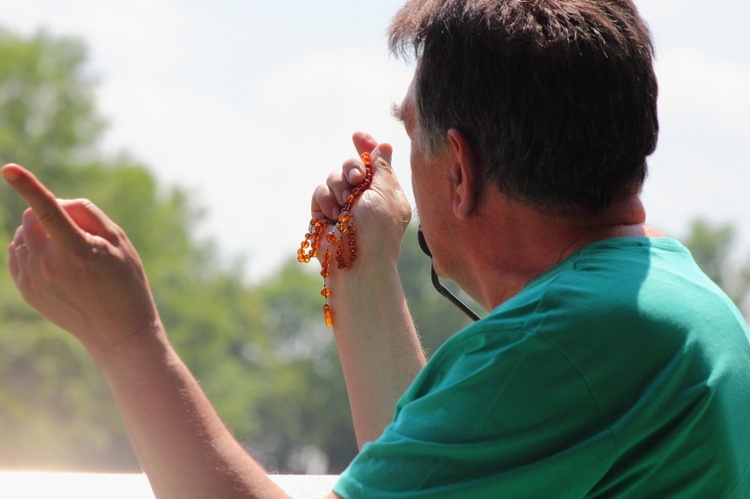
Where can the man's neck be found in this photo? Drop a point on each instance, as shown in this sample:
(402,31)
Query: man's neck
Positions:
(511,243)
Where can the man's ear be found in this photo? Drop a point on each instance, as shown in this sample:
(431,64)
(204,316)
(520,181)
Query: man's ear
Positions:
(465,176)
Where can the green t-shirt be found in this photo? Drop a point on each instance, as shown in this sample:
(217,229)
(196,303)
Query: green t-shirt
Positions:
(622,372)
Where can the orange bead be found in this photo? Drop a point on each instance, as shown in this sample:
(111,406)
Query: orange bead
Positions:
(328,314)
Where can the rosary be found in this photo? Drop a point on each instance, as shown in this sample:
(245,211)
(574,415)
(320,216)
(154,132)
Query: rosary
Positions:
(344,257)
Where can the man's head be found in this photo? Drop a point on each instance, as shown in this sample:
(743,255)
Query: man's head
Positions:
(558,97)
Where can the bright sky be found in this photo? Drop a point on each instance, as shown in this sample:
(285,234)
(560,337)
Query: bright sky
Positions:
(249,104)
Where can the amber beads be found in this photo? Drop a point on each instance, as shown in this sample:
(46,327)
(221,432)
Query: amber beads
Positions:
(344,243)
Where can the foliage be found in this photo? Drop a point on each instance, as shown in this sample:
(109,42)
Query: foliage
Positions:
(55,409)
(711,246)
(47,116)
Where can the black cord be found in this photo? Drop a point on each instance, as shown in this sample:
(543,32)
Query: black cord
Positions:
(438,285)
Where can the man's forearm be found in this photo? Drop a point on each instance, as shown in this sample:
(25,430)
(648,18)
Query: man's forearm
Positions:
(181,443)
(377,342)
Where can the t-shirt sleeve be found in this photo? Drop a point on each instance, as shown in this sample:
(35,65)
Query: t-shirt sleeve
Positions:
(475,423)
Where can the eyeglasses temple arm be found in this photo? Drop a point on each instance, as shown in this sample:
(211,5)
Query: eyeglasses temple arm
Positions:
(451,297)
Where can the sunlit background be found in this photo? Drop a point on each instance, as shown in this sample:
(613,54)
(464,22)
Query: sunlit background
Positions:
(247,105)
(250,104)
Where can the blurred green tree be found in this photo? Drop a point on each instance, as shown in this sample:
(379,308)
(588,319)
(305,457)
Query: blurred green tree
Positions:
(55,409)
(304,410)
(47,116)
(712,246)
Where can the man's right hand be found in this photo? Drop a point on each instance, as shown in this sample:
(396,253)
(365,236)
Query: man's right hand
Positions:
(78,268)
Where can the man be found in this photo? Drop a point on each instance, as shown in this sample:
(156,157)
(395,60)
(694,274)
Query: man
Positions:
(608,365)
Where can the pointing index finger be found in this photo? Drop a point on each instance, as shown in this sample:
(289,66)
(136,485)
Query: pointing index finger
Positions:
(43,203)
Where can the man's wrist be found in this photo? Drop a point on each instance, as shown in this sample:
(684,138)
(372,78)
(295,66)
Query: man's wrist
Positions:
(134,352)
